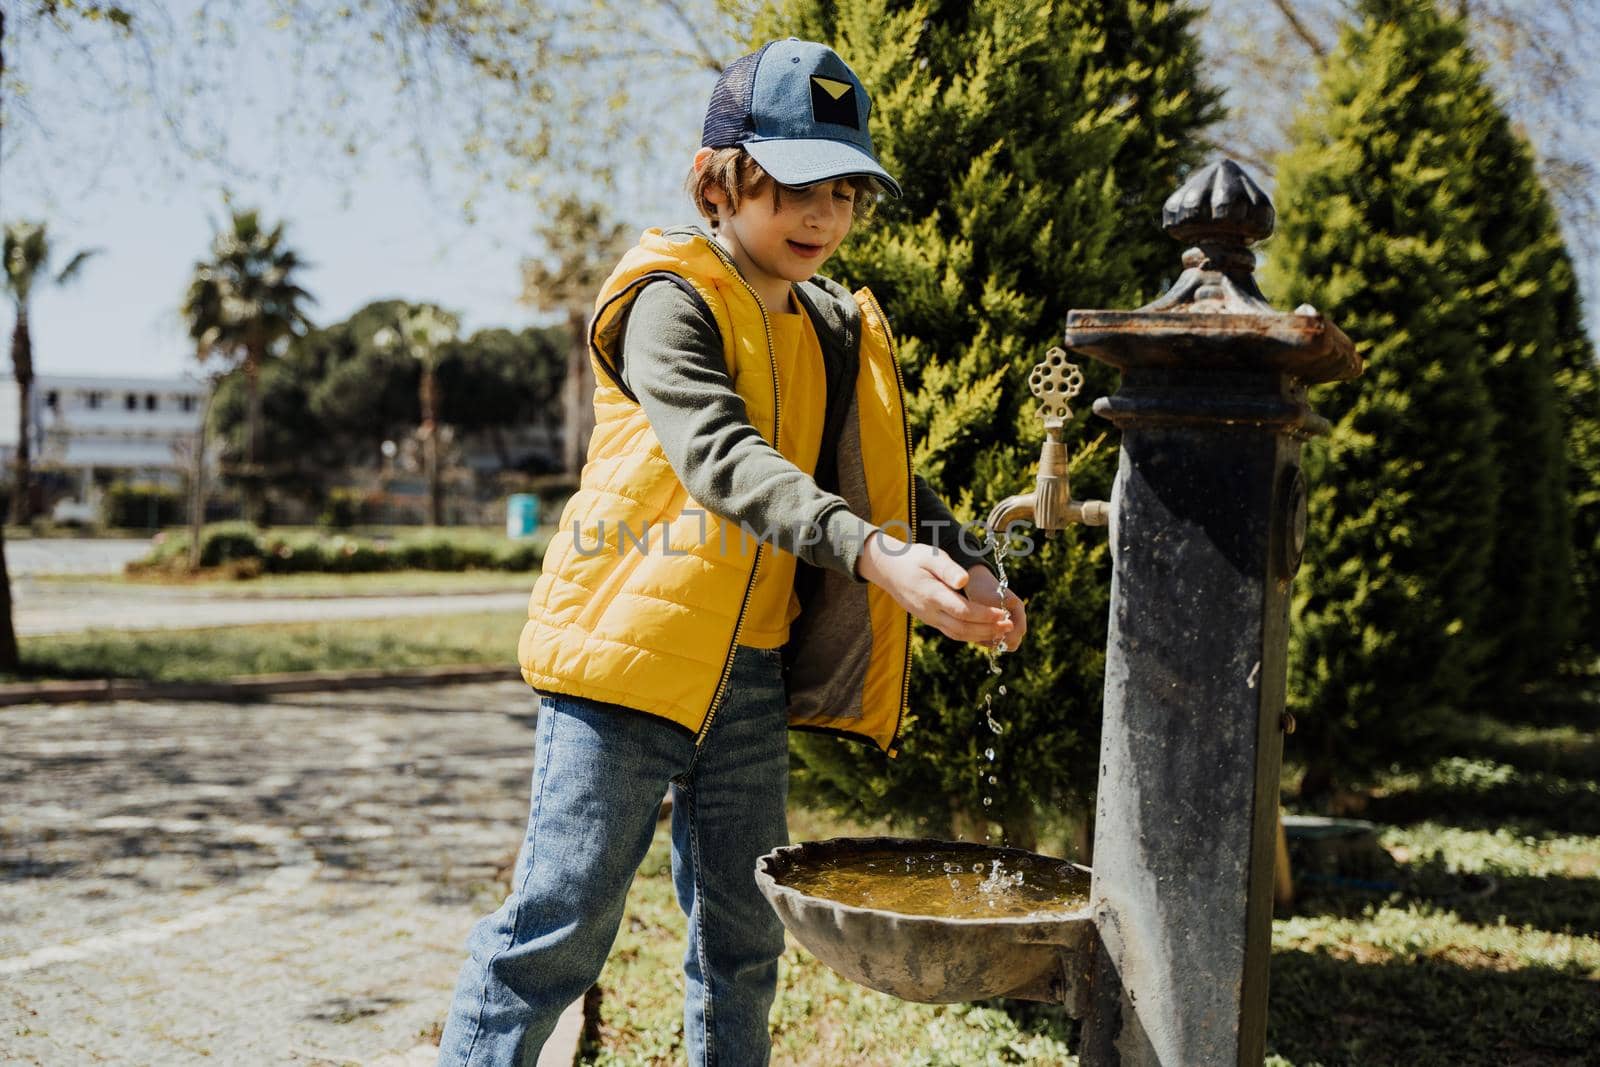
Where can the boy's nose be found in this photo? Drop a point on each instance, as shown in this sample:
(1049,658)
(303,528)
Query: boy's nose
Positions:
(820,218)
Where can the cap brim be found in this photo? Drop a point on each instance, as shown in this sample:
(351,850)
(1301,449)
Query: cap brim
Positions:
(805,162)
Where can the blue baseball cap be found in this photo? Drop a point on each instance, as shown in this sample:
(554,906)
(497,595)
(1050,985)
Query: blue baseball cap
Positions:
(799,111)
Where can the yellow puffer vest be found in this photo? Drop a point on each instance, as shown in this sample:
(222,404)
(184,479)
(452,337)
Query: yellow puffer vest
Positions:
(651,623)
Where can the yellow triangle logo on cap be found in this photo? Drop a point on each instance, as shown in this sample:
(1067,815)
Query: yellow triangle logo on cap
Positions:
(833,88)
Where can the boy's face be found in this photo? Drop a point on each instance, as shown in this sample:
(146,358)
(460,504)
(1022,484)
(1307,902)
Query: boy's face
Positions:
(776,245)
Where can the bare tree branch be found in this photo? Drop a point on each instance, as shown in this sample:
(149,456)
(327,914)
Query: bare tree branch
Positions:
(1286,9)
(709,59)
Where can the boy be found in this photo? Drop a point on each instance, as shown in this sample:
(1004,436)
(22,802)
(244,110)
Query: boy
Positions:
(736,393)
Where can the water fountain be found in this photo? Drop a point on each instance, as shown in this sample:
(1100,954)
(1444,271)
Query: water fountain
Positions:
(1166,960)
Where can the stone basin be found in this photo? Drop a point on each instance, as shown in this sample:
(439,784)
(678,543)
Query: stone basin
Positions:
(927,958)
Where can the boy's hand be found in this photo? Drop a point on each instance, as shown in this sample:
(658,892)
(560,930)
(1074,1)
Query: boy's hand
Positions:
(984,587)
(926,582)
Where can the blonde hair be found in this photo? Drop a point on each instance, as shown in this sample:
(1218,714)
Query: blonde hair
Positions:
(739,176)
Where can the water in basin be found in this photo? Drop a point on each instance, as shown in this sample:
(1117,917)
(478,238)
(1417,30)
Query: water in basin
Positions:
(963,883)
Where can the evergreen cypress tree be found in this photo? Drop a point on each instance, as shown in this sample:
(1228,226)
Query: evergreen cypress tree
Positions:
(1035,146)
(1578,390)
(1526,618)
(1375,231)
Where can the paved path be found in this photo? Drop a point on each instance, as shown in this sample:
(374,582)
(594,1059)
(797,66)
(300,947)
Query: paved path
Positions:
(70,607)
(62,555)
(280,883)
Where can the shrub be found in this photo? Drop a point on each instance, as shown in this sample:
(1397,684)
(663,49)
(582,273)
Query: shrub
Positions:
(142,506)
(293,553)
(226,545)
(342,510)
(444,552)
(523,554)
(225,542)
(168,551)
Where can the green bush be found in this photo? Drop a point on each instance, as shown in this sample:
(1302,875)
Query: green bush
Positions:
(141,506)
(445,552)
(523,554)
(168,551)
(293,553)
(226,542)
(343,509)
(300,552)
(366,556)
(1438,568)
(353,555)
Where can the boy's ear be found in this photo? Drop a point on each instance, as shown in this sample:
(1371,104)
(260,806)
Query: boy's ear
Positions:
(700,158)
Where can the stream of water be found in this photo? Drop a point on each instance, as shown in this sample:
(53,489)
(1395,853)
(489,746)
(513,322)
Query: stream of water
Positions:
(986,770)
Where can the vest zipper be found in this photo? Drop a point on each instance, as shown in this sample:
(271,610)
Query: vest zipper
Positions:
(911,504)
(750,583)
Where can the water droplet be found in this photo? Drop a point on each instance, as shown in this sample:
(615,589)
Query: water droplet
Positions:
(1002,690)
(992,780)
(987,801)
(988,754)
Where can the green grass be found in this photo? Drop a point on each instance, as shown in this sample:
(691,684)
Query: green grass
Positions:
(221,652)
(382,583)
(1435,974)
(1429,974)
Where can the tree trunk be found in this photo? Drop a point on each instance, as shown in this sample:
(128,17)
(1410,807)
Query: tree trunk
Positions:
(497,439)
(22,366)
(9,660)
(430,442)
(255,483)
(197,511)
(578,392)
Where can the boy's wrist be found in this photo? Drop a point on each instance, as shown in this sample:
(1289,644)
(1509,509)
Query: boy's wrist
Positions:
(867,557)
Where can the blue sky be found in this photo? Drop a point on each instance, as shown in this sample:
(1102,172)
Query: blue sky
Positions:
(372,225)
(107,168)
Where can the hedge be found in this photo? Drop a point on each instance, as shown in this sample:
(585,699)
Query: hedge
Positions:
(277,552)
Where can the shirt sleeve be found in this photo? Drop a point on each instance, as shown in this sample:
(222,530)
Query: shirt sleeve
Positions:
(938,526)
(672,360)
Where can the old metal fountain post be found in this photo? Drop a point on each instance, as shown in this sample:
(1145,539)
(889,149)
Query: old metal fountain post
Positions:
(1207,526)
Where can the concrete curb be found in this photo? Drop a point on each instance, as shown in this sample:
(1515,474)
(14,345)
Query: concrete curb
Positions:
(248,687)
(561,1050)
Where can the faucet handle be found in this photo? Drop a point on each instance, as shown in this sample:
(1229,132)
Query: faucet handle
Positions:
(1055,381)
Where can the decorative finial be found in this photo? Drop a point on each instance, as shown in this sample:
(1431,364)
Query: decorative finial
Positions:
(1223,213)
(1219,203)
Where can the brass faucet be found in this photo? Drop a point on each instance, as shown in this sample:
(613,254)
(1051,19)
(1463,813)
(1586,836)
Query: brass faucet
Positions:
(1050,506)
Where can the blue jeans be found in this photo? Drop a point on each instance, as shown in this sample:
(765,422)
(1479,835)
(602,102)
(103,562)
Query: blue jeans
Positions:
(599,774)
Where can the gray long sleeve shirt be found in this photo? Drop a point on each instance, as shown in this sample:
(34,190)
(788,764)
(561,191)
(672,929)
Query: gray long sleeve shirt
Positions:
(672,360)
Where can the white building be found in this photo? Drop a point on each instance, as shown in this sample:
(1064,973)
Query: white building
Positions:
(96,429)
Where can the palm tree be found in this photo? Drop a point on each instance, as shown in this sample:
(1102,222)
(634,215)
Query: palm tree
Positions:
(242,304)
(420,333)
(27,263)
